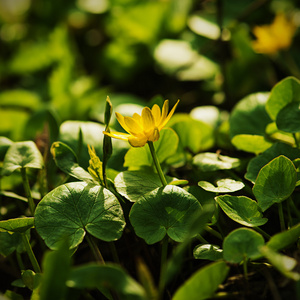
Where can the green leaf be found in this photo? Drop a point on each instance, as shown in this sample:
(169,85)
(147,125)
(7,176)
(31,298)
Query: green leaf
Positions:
(66,160)
(251,143)
(95,166)
(9,242)
(208,251)
(212,161)
(165,147)
(193,134)
(75,209)
(56,269)
(22,155)
(284,239)
(242,210)
(107,276)
(261,160)
(241,244)
(283,93)
(282,263)
(17,225)
(275,182)
(224,185)
(31,279)
(288,119)
(5,143)
(249,115)
(133,184)
(166,210)
(203,283)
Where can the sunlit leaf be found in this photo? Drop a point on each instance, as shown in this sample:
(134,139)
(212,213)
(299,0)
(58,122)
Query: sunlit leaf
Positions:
(288,118)
(242,210)
(74,209)
(17,224)
(208,251)
(225,185)
(167,210)
(275,182)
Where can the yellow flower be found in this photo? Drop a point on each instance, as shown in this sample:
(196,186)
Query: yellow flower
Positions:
(274,37)
(145,127)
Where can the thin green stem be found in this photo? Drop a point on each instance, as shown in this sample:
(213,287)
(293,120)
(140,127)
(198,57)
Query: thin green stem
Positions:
(157,164)
(96,252)
(296,140)
(114,252)
(163,264)
(214,232)
(202,239)
(27,190)
(262,232)
(30,253)
(281,216)
(20,262)
(245,268)
(293,207)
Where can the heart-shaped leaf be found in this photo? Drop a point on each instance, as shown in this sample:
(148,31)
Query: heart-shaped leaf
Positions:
(275,182)
(166,210)
(22,155)
(17,225)
(242,210)
(5,143)
(241,244)
(212,161)
(261,160)
(77,208)
(133,184)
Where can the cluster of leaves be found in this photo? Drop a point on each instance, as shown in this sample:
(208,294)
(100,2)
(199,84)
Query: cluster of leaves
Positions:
(138,230)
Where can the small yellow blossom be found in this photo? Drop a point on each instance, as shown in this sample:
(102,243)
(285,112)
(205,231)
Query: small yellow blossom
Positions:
(145,127)
(274,37)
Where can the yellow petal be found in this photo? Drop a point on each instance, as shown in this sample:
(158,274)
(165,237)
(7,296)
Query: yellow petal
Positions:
(133,126)
(118,135)
(147,119)
(156,113)
(138,118)
(154,136)
(164,111)
(137,141)
(120,119)
(166,120)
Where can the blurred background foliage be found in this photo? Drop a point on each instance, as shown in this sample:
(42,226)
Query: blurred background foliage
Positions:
(60,59)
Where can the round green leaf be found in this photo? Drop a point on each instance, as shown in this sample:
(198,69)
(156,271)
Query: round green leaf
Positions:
(212,161)
(251,143)
(224,185)
(208,251)
(22,155)
(165,147)
(241,244)
(261,160)
(283,93)
(288,119)
(275,182)
(166,210)
(249,115)
(203,283)
(5,143)
(133,184)
(108,277)
(242,210)
(76,208)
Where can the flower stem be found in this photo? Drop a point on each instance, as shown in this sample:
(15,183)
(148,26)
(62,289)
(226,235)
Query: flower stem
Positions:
(30,253)
(27,190)
(296,140)
(157,164)
(163,263)
(262,232)
(97,254)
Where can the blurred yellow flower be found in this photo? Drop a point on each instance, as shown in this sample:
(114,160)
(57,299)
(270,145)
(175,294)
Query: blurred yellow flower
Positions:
(145,127)
(274,37)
